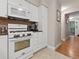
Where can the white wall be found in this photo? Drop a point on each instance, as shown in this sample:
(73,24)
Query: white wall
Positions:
(58,27)
(54,27)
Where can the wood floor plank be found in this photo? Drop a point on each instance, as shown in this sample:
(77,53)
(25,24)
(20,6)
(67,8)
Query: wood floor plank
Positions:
(70,48)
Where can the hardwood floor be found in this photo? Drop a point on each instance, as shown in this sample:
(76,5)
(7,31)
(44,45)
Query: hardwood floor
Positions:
(70,48)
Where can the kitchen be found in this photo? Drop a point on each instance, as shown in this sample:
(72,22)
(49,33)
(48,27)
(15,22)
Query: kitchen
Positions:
(23,28)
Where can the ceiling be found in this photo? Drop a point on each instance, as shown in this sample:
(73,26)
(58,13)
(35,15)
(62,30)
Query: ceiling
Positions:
(69,3)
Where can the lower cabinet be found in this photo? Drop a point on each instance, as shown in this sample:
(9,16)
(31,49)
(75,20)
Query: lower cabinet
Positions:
(3,47)
(37,41)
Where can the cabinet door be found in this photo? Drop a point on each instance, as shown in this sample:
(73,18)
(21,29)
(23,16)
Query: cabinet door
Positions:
(3,8)
(16,11)
(35,42)
(40,40)
(43,23)
(34,12)
(29,14)
(3,47)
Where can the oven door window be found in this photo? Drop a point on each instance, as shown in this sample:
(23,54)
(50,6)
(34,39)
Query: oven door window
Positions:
(22,45)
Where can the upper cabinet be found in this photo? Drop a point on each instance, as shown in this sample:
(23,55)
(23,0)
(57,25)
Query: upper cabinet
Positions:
(24,8)
(18,8)
(29,7)
(3,8)
(34,11)
(21,3)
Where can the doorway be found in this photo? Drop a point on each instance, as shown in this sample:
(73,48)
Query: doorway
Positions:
(72,21)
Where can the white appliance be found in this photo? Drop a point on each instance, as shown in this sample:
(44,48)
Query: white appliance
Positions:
(19,42)
(16,11)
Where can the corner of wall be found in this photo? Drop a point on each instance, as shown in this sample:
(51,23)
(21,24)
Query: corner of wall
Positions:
(50,47)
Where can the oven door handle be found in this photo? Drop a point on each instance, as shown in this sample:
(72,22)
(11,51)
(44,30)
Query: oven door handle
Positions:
(16,40)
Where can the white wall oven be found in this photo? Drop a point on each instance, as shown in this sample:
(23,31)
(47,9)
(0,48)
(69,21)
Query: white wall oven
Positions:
(19,41)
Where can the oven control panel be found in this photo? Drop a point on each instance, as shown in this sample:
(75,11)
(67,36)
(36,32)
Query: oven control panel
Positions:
(17,31)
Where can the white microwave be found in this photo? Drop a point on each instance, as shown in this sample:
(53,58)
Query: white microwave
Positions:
(16,11)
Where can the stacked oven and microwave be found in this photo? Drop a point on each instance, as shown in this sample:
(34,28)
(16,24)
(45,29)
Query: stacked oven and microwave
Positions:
(20,46)
(19,42)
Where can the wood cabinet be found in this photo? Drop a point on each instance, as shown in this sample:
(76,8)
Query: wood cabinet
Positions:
(3,8)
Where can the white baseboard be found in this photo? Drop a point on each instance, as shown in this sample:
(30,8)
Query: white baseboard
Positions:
(58,45)
(50,47)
